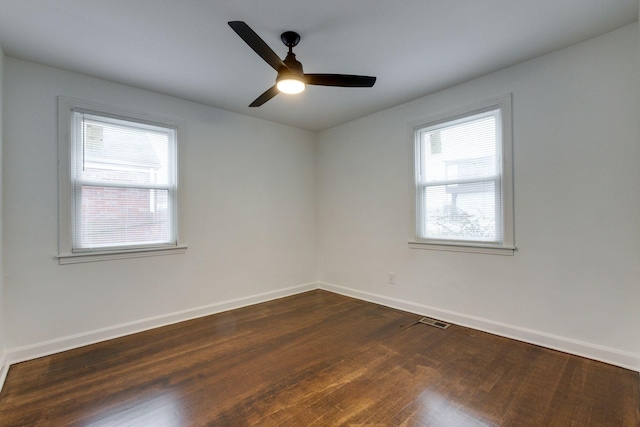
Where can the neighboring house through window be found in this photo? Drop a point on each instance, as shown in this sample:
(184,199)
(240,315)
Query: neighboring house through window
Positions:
(463,180)
(118,184)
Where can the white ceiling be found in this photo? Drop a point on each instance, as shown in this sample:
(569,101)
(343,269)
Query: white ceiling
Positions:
(186,49)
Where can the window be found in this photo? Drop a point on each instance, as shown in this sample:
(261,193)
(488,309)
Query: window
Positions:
(463,180)
(118,184)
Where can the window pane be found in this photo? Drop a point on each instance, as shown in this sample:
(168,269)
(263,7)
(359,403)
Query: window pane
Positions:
(462,212)
(124,153)
(460,151)
(112,216)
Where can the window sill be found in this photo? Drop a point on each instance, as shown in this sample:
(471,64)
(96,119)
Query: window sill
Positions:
(453,247)
(76,258)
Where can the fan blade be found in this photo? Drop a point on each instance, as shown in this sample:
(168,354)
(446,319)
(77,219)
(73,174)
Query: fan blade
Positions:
(270,93)
(342,80)
(257,44)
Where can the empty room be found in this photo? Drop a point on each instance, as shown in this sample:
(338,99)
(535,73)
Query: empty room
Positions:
(305,213)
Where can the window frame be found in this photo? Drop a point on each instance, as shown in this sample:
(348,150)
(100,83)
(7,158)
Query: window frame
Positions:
(66,170)
(507,245)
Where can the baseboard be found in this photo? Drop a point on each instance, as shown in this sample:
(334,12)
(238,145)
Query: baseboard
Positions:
(566,345)
(34,351)
(4,368)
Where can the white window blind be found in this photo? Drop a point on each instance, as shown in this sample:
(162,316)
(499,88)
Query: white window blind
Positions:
(123,176)
(464,180)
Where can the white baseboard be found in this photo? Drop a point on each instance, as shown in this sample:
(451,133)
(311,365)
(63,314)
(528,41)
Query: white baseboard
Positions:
(566,345)
(4,368)
(46,348)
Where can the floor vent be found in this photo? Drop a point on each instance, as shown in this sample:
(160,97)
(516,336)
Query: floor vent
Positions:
(433,322)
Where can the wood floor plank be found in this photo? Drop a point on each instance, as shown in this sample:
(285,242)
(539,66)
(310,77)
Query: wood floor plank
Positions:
(316,359)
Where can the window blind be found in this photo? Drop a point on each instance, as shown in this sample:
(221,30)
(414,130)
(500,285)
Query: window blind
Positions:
(458,179)
(123,183)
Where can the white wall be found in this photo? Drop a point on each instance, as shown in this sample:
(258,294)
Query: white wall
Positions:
(2,300)
(249,202)
(573,282)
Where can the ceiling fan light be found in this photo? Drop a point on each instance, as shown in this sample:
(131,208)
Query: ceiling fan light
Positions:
(291,85)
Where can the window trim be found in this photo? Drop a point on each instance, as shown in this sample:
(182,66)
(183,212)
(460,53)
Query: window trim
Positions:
(66,255)
(507,246)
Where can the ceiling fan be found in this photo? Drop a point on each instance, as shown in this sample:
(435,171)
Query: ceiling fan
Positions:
(291,78)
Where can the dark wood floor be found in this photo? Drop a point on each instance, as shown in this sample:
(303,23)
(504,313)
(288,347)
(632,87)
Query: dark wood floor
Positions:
(316,359)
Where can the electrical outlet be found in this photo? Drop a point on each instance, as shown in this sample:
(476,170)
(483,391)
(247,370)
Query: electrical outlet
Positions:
(392,278)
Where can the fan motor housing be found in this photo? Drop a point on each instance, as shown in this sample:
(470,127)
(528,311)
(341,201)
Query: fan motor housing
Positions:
(293,64)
